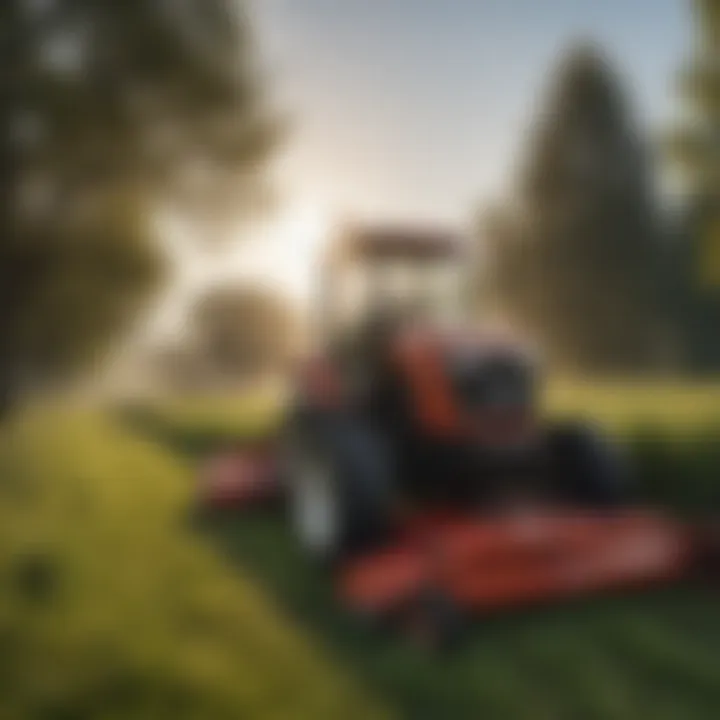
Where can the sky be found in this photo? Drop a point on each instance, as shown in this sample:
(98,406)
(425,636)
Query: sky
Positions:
(417,110)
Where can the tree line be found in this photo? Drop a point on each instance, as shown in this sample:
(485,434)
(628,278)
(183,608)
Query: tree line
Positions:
(113,113)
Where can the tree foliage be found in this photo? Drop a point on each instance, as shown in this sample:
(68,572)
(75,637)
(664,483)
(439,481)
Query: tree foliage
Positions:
(233,333)
(695,150)
(110,111)
(577,262)
(695,146)
(242,330)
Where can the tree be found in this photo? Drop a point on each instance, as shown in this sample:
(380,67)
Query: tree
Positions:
(696,152)
(241,331)
(109,112)
(578,263)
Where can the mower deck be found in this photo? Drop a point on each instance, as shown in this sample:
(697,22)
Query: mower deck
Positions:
(489,563)
(239,479)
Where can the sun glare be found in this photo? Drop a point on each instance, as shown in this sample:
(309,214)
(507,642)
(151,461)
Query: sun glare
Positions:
(286,251)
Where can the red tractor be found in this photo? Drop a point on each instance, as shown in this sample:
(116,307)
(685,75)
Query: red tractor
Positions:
(409,410)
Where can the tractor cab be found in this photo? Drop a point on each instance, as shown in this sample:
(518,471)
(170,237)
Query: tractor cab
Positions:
(403,273)
(377,282)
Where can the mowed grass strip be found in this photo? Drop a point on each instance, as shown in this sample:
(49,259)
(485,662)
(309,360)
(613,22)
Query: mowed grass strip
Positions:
(114,607)
(676,407)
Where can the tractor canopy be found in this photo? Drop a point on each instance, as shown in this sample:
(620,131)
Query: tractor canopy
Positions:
(370,271)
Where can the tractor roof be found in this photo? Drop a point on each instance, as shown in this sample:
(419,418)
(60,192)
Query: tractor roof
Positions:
(400,242)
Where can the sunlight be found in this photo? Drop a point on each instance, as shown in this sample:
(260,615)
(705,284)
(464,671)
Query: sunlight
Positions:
(285,252)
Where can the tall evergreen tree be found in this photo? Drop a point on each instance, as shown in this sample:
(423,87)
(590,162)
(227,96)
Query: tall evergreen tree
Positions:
(696,150)
(578,263)
(108,111)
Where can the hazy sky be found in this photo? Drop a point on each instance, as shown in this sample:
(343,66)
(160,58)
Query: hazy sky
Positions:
(411,109)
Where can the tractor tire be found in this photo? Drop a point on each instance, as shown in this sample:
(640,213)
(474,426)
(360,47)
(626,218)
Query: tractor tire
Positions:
(434,622)
(585,468)
(338,489)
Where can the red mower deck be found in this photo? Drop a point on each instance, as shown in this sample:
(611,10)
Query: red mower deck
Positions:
(491,563)
(239,479)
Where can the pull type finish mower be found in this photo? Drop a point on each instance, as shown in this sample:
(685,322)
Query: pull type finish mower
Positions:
(405,410)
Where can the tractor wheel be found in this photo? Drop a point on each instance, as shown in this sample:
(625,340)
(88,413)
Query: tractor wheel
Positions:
(433,621)
(338,491)
(585,467)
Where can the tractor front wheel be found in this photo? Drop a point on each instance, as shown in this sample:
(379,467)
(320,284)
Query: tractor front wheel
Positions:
(338,490)
(585,467)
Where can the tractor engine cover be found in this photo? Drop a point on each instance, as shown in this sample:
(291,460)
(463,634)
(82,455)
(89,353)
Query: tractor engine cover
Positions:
(471,388)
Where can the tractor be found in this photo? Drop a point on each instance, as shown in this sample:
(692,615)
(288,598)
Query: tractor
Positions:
(411,408)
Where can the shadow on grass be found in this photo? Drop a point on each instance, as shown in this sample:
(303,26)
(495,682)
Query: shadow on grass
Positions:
(679,471)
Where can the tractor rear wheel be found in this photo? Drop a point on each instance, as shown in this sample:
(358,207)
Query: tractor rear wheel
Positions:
(585,467)
(434,621)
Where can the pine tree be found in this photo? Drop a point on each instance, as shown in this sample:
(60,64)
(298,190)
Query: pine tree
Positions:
(578,264)
(696,151)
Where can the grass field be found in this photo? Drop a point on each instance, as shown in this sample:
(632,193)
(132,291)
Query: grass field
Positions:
(119,605)
(113,607)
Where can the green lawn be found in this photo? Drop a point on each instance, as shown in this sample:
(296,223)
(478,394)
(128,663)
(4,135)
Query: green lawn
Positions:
(113,606)
(681,408)
(119,604)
